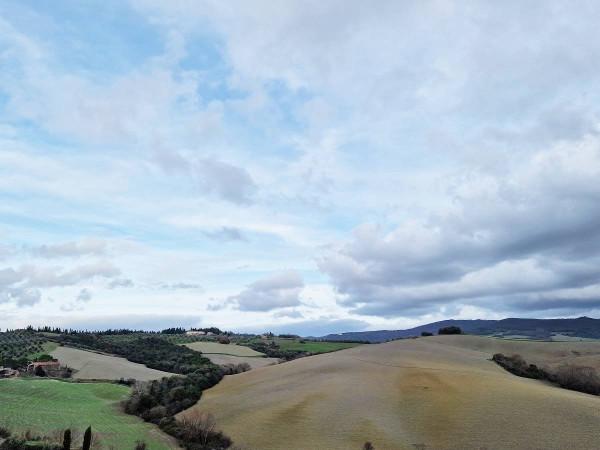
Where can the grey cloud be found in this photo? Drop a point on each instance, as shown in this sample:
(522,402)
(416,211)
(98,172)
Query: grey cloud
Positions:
(84,296)
(22,286)
(71,249)
(50,277)
(120,283)
(225,180)
(293,314)
(226,234)
(22,296)
(276,291)
(522,242)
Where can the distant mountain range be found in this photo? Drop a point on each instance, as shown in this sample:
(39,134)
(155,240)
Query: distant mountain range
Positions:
(584,327)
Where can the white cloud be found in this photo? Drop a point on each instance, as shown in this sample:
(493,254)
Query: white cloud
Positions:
(276,291)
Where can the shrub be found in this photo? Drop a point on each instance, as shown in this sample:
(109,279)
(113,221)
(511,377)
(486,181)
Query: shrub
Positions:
(426,333)
(450,330)
(577,378)
(516,365)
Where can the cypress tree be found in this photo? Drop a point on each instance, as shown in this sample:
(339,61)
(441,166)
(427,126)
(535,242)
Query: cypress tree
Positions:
(87,439)
(67,440)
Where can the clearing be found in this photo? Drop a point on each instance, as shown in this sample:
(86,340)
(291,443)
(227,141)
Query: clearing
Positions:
(223,354)
(223,349)
(429,393)
(97,366)
(315,347)
(49,406)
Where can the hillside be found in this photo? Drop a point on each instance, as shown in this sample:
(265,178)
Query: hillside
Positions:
(48,407)
(437,393)
(96,366)
(584,327)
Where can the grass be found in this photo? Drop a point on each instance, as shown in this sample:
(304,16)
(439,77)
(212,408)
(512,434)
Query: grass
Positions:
(314,347)
(223,349)
(48,406)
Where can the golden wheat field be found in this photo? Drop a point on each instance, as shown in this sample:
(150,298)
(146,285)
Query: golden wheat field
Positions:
(440,393)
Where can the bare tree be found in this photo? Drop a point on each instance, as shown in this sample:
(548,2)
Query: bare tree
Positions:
(198,425)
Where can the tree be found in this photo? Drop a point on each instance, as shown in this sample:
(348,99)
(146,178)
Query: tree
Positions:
(87,439)
(450,330)
(140,445)
(368,446)
(67,440)
(426,333)
(198,426)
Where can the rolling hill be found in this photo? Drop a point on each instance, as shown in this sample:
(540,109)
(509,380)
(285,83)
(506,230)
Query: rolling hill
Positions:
(432,393)
(584,327)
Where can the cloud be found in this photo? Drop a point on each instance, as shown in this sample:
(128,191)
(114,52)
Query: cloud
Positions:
(54,276)
(84,296)
(22,286)
(21,296)
(180,286)
(120,283)
(226,234)
(84,247)
(508,243)
(291,314)
(276,291)
(225,180)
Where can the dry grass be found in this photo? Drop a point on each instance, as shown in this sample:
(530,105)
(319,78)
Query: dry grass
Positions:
(544,354)
(95,366)
(425,393)
(253,361)
(223,349)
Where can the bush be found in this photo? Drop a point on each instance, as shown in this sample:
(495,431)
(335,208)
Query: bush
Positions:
(426,333)
(577,378)
(516,365)
(450,330)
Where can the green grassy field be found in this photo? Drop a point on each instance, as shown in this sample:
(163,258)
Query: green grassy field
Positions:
(47,406)
(314,347)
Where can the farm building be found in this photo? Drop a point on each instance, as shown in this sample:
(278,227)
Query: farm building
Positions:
(195,333)
(5,372)
(47,366)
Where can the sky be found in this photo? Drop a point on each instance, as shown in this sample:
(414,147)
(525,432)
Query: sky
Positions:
(298,166)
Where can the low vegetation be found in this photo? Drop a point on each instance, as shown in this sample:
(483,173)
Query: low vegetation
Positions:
(151,351)
(450,330)
(576,378)
(19,347)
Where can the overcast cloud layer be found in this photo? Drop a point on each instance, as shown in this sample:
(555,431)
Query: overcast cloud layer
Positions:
(307,166)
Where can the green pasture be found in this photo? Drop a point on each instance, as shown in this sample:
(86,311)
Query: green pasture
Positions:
(49,406)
